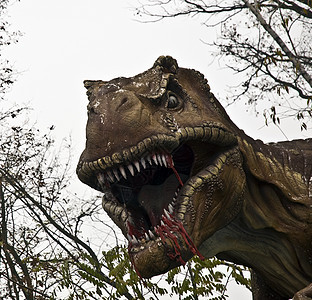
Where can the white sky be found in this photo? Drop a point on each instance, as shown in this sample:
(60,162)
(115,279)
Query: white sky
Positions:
(65,42)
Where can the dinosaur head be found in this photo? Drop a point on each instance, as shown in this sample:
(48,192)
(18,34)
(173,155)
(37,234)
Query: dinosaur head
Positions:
(164,153)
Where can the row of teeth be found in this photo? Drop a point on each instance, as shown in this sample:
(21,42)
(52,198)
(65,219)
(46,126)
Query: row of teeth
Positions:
(116,174)
(150,235)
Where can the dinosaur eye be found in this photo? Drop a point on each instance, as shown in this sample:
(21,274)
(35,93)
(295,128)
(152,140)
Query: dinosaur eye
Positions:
(172,101)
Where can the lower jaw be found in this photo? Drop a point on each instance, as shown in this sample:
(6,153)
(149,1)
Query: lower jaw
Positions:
(173,247)
(157,257)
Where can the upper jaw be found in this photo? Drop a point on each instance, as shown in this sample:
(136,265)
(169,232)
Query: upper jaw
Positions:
(213,133)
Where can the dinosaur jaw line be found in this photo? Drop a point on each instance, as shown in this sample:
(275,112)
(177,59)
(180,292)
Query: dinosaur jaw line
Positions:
(147,195)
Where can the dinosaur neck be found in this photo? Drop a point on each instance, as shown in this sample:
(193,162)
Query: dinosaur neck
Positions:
(267,235)
(279,181)
(263,250)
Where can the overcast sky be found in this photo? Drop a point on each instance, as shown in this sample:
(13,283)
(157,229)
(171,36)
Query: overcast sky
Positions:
(65,42)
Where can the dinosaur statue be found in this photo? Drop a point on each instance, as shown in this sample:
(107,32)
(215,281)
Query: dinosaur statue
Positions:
(179,179)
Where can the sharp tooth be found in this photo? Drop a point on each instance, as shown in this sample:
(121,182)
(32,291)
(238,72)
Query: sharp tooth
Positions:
(110,176)
(130,168)
(162,223)
(151,234)
(167,214)
(147,237)
(129,237)
(137,165)
(149,160)
(164,160)
(100,178)
(143,163)
(155,159)
(134,240)
(170,207)
(123,216)
(123,172)
(159,159)
(116,174)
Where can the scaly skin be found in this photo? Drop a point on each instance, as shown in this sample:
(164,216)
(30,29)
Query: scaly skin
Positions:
(179,178)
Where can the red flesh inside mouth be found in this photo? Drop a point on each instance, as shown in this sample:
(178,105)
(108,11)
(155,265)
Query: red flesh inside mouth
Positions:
(169,226)
(149,195)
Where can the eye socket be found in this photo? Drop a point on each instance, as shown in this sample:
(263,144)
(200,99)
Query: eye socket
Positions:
(172,101)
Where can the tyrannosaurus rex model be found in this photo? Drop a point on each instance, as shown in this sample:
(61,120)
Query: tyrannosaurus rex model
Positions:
(179,178)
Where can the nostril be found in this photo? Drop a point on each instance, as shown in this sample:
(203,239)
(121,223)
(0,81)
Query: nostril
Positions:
(123,101)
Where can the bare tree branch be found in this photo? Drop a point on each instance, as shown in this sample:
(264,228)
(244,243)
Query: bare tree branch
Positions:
(296,63)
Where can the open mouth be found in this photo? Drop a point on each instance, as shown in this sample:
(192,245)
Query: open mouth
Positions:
(147,189)
(143,195)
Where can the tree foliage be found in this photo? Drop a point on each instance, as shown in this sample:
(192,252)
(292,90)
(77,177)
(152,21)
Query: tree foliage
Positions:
(267,42)
(7,37)
(195,280)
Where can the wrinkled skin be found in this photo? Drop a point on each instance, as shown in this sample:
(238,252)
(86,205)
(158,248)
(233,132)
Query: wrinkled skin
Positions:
(179,179)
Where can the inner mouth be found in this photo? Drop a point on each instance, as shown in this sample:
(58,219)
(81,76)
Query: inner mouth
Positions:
(148,189)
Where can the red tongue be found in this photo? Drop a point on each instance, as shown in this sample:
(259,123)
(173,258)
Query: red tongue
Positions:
(170,164)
